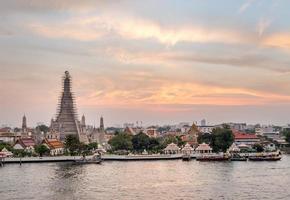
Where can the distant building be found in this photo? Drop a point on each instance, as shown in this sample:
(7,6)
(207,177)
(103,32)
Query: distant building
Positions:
(267,131)
(203,122)
(98,134)
(24,125)
(151,131)
(245,138)
(205,129)
(238,126)
(130,131)
(8,137)
(191,136)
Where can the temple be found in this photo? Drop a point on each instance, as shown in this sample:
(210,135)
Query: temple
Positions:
(66,122)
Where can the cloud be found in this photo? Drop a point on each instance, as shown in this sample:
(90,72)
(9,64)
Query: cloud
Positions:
(263,25)
(90,28)
(245,6)
(279,40)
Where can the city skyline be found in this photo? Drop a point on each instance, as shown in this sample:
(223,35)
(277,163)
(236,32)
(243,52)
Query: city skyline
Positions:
(129,61)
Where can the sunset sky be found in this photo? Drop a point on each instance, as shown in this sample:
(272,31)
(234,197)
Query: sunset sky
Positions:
(156,61)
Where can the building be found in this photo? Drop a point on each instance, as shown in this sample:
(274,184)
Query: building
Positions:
(8,137)
(26,144)
(245,138)
(55,146)
(267,131)
(172,149)
(203,148)
(99,134)
(187,149)
(24,125)
(151,131)
(238,126)
(191,136)
(66,122)
(205,129)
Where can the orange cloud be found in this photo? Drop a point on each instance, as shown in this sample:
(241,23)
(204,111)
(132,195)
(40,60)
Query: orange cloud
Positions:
(281,40)
(176,92)
(92,28)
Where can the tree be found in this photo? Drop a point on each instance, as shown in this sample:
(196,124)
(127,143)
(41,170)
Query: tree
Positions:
(43,128)
(92,146)
(140,142)
(204,138)
(286,133)
(5,145)
(180,142)
(41,149)
(169,139)
(122,141)
(73,144)
(258,147)
(222,139)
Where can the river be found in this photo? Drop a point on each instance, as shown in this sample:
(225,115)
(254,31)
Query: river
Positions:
(147,180)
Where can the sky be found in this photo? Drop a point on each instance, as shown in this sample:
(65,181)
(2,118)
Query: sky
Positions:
(155,61)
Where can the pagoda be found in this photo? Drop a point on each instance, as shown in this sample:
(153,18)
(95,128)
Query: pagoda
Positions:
(66,122)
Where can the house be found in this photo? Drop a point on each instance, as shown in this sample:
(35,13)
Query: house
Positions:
(26,144)
(203,148)
(245,138)
(187,149)
(172,149)
(54,145)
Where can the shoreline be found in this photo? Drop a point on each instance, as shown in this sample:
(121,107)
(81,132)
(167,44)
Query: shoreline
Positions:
(105,158)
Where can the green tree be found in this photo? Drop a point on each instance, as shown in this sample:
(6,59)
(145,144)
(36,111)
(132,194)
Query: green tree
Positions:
(92,146)
(122,141)
(140,142)
(43,128)
(204,138)
(72,144)
(258,147)
(41,149)
(5,145)
(180,142)
(286,133)
(222,139)
(169,139)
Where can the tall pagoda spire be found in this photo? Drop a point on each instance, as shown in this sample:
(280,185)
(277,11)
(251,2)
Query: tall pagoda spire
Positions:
(102,127)
(66,120)
(24,124)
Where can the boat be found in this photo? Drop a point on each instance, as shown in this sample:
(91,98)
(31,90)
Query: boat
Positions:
(266,157)
(238,157)
(213,157)
(96,159)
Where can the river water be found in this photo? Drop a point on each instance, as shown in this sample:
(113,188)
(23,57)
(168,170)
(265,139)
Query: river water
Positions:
(147,180)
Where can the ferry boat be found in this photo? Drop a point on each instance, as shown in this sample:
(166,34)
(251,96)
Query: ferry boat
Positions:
(96,159)
(213,157)
(266,157)
(238,157)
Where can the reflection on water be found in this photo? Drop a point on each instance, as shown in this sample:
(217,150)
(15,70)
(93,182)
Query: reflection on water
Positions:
(147,180)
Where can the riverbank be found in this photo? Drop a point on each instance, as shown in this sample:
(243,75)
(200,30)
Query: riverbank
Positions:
(104,157)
